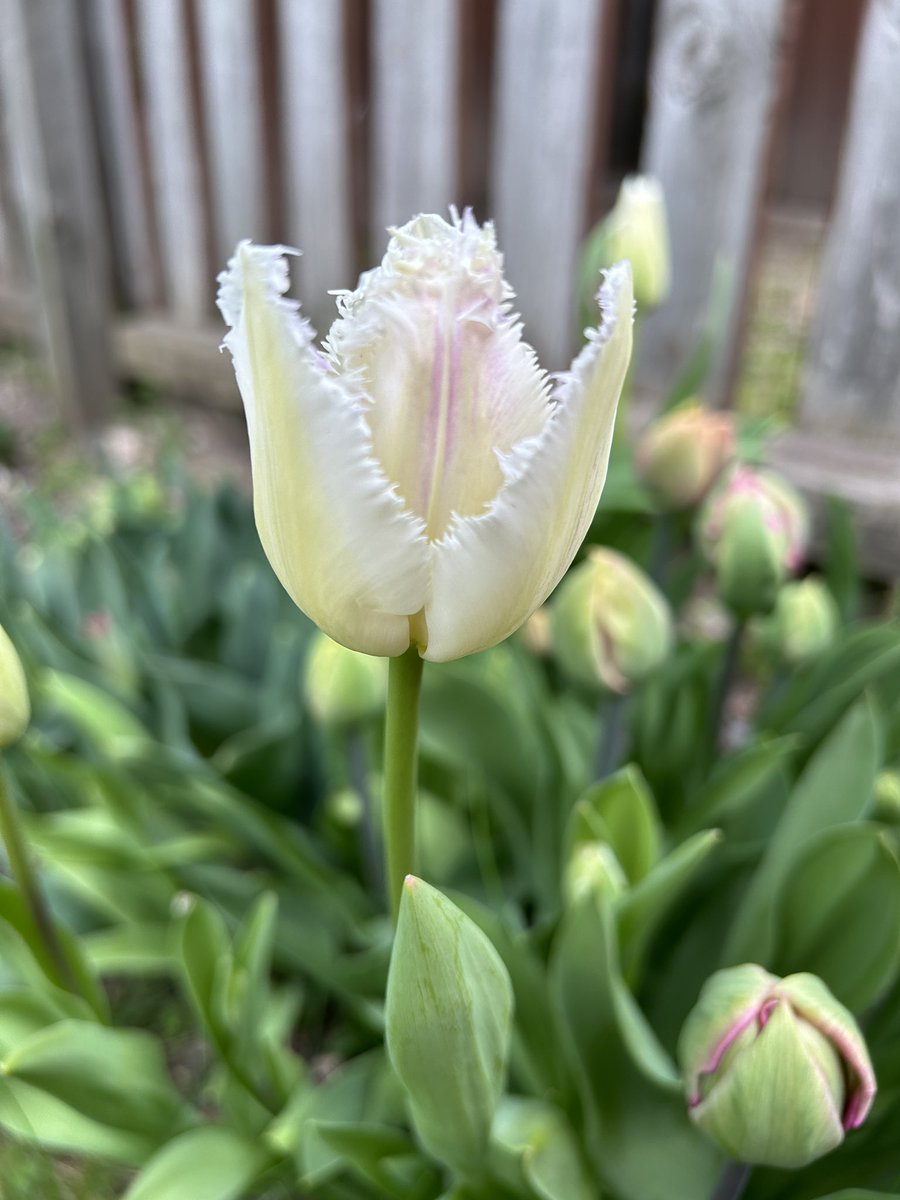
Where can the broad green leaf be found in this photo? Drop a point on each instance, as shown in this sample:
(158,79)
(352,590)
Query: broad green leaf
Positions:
(104,720)
(836,788)
(736,785)
(71,1061)
(448,1023)
(210,1163)
(534,1145)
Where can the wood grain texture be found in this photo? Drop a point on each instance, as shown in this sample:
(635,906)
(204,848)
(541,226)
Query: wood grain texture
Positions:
(415,98)
(853,380)
(175,156)
(713,89)
(51,144)
(134,262)
(547,78)
(315,150)
(232,114)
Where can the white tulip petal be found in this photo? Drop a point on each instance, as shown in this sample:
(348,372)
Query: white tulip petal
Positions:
(490,572)
(336,532)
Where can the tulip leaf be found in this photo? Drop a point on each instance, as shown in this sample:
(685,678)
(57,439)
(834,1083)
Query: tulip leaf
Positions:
(835,788)
(210,1163)
(736,786)
(384,1156)
(533,1144)
(824,914)
(622,812)
(448,1023)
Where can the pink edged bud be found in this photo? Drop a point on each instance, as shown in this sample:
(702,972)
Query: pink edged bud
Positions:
(682,454)
(754,530)
(611,625)
(776,1070)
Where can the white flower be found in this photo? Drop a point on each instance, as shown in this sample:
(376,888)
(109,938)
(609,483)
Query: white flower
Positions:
(419,480)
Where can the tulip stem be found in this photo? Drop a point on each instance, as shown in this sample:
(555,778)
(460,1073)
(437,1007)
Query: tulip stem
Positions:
(20,865)
(725,683)
(401,730)
(613,735)
(732,1182)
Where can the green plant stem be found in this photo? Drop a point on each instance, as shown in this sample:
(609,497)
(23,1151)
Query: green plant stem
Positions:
(25,877)
(613,734)
(725,683)
(401,731)
(732,1182)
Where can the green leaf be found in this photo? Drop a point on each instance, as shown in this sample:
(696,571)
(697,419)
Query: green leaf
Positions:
(534,1145)
(111,726)
(737,784)
(71,1061)
(621,811)
(836,788)
(448,1018)
(210,1163)
(824,914)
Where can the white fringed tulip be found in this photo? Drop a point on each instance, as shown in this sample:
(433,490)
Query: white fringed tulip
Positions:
(419,481)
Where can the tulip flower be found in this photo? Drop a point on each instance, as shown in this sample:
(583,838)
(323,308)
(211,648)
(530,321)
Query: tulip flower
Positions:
(420,481)
(776,1070)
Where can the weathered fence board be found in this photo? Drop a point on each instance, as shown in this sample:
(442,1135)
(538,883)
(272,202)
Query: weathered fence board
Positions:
(175,156)
(713,90)
(135,267)
(52,145)
(548,67)
(854,371)
(315,150)
(232,112)
(415,164)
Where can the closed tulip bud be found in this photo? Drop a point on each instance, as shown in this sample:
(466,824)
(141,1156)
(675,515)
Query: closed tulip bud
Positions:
(15,707)
(636,230)
(420,481)
(753,528)
(343,687)
(776,1070)
(887,797)
(805,620)
(611,625)
(682,454)
(594,869)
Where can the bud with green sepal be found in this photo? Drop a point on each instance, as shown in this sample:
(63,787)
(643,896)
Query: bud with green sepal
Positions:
(682,453)
(776,1070)
(612,626)
(343,687)
(448,1022)
(754,530)
(15,706)
(804,622)
(637,230)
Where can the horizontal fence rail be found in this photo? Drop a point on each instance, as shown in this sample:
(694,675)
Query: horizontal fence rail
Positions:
(141,139)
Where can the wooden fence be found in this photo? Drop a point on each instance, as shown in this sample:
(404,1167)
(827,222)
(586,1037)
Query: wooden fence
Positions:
(140,139)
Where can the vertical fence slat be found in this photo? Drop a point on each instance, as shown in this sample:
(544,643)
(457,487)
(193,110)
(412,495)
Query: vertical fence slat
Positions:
(714,79)
(175,156)
(415,64)
(52,146)
(854,372)
(315,132)
(133,259)
(545,92)
(233,116)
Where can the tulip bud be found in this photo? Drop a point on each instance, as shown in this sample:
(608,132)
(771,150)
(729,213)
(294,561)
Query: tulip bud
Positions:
(681,454)
(594,869)
(776,1070)
(15,707)
(611,624)
(805,620)
(342,686)
(887,797)
(753,528)
(636,230)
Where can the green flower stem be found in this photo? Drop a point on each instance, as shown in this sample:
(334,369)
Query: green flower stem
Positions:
(401,731)
(613,735)
(25,877)
(732,1182)
(725,683)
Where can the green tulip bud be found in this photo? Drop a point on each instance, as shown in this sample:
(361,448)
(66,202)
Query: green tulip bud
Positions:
(343,686)
(448,1019)
(805,620)
(636,230)
(887,797)
(682,454)
(611,624)
(594,869)
(15,707)
(776,1070)
(753,529)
